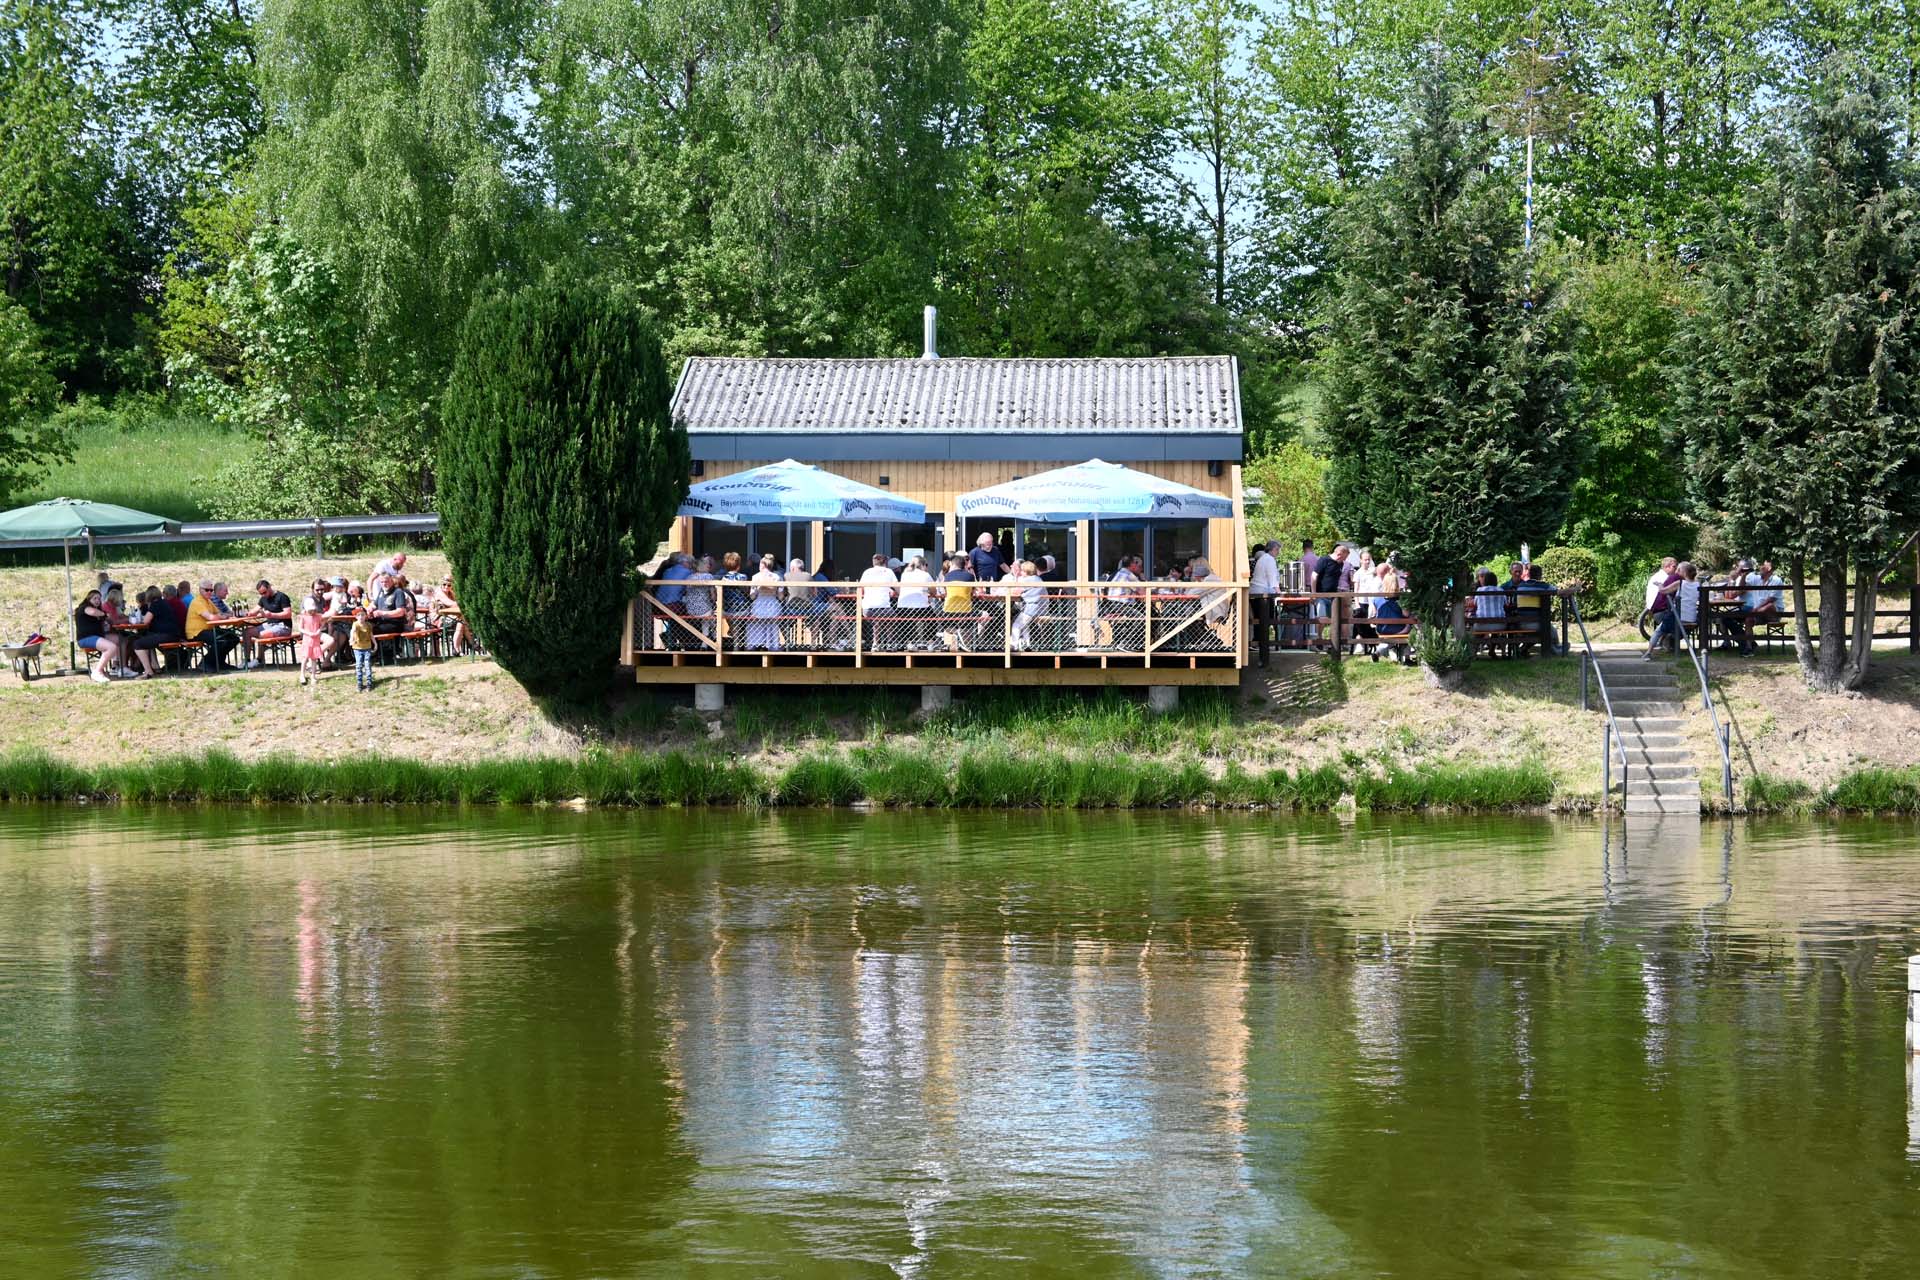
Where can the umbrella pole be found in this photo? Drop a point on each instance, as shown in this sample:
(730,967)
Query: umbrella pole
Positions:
(73,642)
(789,543)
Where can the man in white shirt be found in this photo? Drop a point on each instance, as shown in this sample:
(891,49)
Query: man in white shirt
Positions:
(392,567)
(1262,588)
(876,602)
(1765,600)
(876,587)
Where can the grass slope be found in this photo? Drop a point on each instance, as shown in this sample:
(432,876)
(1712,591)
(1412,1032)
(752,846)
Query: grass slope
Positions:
(164,465)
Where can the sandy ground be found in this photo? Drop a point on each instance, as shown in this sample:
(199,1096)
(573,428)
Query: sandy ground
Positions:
(1781,728)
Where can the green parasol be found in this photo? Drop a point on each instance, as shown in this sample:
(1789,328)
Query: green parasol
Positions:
(68,518)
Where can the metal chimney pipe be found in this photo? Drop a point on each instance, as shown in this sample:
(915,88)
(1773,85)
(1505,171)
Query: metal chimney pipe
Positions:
(929,324)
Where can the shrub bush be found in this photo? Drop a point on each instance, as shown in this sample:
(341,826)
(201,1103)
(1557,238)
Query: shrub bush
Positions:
(560,467)
(1566,565)
(1628,603)
(1440,650)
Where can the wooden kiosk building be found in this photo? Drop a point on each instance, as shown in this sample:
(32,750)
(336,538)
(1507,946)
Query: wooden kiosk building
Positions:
(932,430)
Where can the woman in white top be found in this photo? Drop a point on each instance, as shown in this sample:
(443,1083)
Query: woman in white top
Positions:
(915,583)
(1366,581)
(763,632)
(915,605)
(1031,589)
(1689,594)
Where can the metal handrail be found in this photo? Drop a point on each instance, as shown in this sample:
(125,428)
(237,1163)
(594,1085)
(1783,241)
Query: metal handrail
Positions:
(1721,736)
(1589,661)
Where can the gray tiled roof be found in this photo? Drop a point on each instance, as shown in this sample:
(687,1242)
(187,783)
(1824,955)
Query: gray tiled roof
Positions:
(1171,394)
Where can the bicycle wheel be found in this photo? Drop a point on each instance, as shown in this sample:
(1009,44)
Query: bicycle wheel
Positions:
(1646,625)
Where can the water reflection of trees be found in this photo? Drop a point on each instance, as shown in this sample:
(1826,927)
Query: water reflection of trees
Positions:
(1355,1045)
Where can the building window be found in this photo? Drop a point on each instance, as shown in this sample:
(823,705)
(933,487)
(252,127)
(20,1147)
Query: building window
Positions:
(1162,545)
(852,545)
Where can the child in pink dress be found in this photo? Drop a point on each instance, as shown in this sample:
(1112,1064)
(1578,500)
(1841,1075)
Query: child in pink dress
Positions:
(312,631)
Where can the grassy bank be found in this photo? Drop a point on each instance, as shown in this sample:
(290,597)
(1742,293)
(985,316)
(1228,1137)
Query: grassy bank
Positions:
(1870,790)
(874,775)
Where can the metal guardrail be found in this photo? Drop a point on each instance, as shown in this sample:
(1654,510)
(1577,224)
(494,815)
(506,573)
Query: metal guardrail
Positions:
(319,528)
(1590,662)
(1721,735)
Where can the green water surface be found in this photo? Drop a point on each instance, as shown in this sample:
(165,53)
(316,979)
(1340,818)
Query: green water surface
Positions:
(328,1043)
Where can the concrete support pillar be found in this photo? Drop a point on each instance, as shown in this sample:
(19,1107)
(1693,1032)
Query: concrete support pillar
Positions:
(935,698)
(1162,698)
(710,698)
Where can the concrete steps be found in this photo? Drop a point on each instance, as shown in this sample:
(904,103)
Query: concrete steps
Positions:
(1661,775)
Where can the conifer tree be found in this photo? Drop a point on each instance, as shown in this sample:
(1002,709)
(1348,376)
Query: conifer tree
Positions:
(1447,373)
(560,469)
(1797,382)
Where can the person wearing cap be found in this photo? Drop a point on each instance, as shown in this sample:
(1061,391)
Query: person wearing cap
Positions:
(336,606)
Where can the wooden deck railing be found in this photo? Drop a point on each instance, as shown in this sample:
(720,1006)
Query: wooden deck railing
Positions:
(1143,623)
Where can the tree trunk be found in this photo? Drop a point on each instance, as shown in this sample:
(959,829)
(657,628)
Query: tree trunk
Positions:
(1866,598)
(1802,634)
(1826,673)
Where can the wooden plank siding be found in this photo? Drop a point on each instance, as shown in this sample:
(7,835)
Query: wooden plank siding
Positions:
(937,484)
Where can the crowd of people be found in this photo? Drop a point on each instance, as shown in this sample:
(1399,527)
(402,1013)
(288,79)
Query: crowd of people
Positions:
(1739,606)
(337,620)
(1374,620)
(978,599)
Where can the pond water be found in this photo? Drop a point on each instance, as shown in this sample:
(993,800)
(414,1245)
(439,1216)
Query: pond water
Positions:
(326,1043)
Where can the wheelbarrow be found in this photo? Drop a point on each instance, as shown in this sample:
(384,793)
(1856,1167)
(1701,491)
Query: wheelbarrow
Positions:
(24,657)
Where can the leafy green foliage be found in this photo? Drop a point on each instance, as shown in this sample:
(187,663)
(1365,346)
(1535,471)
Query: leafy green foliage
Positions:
(559,469)
(28,441)
(1446,376)
(1628,506)
(336,434)
(770,182)
(1293,482)
(69,249)
(1796,392)
(1440,649)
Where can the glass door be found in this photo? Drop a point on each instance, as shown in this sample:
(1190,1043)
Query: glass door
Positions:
(1038,541)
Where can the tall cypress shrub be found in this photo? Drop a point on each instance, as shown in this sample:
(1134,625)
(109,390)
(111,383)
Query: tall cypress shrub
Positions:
(559,470)
(1447,374)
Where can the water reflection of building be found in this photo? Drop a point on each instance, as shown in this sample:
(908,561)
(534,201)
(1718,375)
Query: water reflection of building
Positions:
(947,1077)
